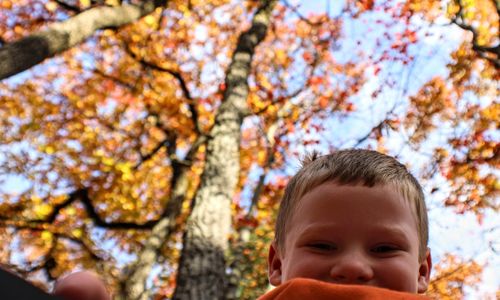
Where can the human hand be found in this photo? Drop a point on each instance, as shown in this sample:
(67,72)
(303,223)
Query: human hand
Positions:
(83,285)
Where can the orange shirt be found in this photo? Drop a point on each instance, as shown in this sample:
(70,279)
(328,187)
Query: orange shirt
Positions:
(304,289)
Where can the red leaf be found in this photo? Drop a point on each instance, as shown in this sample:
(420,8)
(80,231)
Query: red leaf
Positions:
(323,102)
(308,57)
(315,80)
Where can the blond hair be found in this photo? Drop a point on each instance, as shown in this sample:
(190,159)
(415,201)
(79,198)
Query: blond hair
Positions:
(351,167)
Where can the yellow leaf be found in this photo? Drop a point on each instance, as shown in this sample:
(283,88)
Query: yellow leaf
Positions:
(42,210)
(497,185)
(150,20)
(70,211)
(281,57)
(136,38)
(112,2)
(49,150)
(124,167)
(99,152)
(85,3)
(183,8)
(77,233)
(51,6)
(36,199)
(128,206)
(108,161)
(261,157)
(127,176)
(47,236)
(126,170)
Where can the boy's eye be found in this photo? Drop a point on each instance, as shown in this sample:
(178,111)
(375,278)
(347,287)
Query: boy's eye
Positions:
(385,249)
(323,246)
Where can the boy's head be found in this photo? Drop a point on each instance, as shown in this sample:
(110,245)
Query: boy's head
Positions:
(354,216)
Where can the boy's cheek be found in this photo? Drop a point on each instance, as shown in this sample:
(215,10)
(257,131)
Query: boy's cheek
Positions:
(397,274)
(305,266)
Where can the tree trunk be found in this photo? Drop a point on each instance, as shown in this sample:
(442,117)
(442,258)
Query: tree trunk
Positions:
(23,54)
(202,267)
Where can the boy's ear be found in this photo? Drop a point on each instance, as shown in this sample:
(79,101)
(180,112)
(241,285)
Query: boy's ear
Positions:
(424,272)
(274,265)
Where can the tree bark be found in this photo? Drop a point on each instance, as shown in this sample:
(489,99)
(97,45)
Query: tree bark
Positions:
(21,55)
(202,267)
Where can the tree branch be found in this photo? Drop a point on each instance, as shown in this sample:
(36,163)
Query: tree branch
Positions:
(295,93)
(270,151)
(451,272)
(296,11)
(115,79)
(82,196)
(376,128)
(145,157)
(67,6)
(23,54)
(481,50)
(182,83)
(134,281)
(57,232)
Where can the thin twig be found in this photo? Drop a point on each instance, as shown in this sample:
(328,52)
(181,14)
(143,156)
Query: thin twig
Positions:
(67,6)
(182,83)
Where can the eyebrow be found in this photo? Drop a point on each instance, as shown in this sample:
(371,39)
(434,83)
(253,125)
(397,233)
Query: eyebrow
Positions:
(391,230)
(314,228)
(381,229)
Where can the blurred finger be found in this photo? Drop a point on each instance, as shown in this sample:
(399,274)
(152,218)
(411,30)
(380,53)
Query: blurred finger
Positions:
(81,286)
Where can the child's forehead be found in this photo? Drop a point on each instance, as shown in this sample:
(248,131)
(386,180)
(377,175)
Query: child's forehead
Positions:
(330,202)
(330,190)
(328,186)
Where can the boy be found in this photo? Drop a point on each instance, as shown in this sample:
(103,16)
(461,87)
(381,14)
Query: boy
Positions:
(354,217)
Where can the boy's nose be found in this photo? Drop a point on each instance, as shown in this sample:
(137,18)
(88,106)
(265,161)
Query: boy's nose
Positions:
(351,269)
